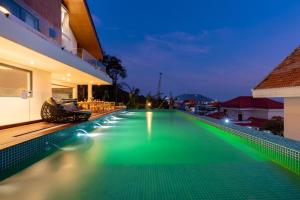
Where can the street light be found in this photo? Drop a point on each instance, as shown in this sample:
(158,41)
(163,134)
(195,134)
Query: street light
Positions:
(227,121)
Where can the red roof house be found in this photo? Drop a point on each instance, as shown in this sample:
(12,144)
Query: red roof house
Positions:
(250,102)
(245,107)
(284,81)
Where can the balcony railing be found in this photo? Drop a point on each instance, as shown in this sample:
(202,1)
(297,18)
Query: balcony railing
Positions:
(48,32)
(86,56)
(22,14)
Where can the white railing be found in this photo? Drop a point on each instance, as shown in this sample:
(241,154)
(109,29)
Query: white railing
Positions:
(44,24)
(44,27)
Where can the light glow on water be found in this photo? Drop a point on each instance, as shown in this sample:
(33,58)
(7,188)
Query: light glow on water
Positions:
(81,130)
(8,189)
(85,133)
(67,148)
(149,116)
(130,113)
(110,122)
(90,134)
(115,118)
(184,158)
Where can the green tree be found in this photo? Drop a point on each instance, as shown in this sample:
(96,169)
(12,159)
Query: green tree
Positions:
(275,126)
(133,96)
(105,96)
(115,69)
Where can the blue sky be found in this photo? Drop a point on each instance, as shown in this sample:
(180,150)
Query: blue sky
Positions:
(218,48)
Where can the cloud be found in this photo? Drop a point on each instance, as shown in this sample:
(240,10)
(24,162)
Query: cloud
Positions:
(182,36)
(180,42)
(96,20)
(180,56)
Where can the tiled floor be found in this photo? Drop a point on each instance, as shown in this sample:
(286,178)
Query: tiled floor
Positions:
(19,134)
(150,155)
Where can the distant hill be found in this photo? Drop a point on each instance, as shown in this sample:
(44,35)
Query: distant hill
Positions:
(196,97)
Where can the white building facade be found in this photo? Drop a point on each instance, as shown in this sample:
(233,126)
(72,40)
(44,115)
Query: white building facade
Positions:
(244,107)
(35,67)
(284,81)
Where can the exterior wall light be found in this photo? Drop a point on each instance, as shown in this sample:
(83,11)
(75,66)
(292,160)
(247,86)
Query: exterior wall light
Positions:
(227,120)
(4,11)
(148,105)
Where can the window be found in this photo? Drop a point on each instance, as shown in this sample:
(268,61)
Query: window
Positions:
(52,33)
(21,13)
(15,82)
(29,19)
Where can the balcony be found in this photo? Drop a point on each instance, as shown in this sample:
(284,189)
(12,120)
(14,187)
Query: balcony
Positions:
(27,45)
(87,57)
(45,30)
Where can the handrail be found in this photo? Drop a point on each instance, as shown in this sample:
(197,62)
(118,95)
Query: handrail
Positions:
(81,53)
(84,55)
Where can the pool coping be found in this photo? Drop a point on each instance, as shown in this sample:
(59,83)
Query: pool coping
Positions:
(48,130)
(22,155)
(285,146)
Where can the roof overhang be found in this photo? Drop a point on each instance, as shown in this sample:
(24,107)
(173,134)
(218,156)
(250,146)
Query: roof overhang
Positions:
(22,56)
(277,92)
(83,27)
(250,109)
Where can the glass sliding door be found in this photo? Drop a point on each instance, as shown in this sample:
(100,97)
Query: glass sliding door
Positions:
(15,82)
(15,94)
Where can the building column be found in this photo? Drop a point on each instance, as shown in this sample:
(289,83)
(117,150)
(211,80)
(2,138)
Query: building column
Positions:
(90,91)
(291,118)
(75,92)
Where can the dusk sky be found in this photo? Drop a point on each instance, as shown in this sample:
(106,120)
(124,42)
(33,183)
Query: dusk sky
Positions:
(220,49)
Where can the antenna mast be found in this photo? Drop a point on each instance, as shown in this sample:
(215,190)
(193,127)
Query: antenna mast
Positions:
(159,86)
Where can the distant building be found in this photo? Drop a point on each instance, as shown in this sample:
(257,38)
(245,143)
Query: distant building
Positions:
(246,107)
(195,103)
(197,98)
(284,81)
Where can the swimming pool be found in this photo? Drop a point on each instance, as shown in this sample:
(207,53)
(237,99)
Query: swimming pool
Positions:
(152,155)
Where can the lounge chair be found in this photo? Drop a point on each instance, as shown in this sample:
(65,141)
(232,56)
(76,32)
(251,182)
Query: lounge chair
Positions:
(64,111)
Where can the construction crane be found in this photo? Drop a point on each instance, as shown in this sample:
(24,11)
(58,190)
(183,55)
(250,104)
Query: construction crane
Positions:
(159,86)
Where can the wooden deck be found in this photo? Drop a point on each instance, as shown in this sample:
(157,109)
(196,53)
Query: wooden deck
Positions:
(16,135)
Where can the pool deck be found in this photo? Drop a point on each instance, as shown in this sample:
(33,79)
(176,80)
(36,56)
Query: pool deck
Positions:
(16,135)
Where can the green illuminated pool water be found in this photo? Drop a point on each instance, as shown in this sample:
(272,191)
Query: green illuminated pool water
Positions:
(153,155)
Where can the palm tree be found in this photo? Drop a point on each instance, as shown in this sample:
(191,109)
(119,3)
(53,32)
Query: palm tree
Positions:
(115,69)
(133,95)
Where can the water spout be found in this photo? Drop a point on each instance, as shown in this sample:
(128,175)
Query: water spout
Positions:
(98,125)
(109,122)
(115,118)
(82,131)
(85,133)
